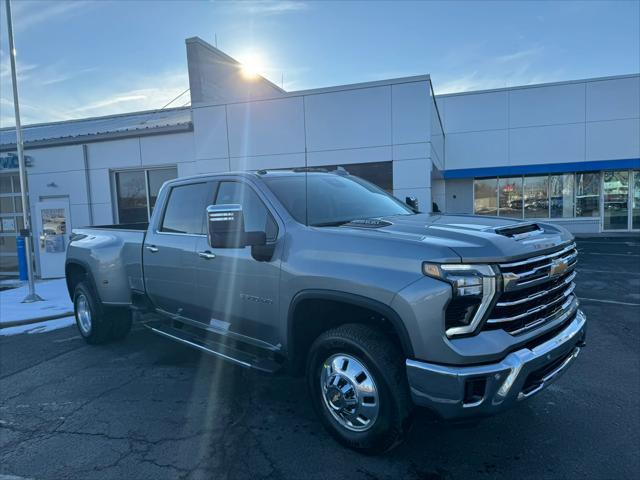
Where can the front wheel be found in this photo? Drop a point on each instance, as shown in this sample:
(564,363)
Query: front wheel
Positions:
(359,389)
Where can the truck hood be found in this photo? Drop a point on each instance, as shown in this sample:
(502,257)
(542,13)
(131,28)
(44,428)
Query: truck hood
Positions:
(474,238)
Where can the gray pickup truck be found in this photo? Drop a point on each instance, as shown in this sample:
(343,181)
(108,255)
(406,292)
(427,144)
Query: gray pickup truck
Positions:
(323,274)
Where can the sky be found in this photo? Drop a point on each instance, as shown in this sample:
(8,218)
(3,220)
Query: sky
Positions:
(82,59)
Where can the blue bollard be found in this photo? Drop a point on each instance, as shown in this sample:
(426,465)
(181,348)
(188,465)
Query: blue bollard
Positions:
(22,257)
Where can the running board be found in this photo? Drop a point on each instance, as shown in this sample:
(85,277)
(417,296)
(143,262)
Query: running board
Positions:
(219,350)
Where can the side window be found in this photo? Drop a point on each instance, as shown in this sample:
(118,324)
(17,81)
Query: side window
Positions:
(256,216)
(186,209)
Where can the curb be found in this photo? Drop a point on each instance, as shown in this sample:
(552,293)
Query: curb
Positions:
(29,321)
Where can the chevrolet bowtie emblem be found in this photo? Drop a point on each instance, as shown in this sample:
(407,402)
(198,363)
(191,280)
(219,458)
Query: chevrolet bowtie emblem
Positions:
(558,267)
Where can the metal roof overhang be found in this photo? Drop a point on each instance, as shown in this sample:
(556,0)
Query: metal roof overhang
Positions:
(100,137)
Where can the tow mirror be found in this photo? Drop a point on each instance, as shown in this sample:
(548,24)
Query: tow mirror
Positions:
(226,228)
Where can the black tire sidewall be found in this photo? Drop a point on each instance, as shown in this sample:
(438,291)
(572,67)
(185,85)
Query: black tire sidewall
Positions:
(388,425)
(99,331)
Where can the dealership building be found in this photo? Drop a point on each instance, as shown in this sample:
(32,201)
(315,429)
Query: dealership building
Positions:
(565,152)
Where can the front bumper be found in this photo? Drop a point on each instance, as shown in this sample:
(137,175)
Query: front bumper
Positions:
(469,391)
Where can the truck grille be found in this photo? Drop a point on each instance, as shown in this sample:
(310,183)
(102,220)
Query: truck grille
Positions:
(536,291)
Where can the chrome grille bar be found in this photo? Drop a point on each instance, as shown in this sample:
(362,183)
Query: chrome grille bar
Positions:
(535,290)
(524,283)
(534,310)
(569,308)
(539,294)
(539,258)
(515,280)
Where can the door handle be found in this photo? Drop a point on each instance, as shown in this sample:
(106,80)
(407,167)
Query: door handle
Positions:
(207,255)
(152,248)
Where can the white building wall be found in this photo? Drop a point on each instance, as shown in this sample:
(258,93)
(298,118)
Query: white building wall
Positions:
(377,122)
(348,119)
(266,134)
(168,149)
(583,121)
(413,157)
(57,173)
(459,196)
(588,120)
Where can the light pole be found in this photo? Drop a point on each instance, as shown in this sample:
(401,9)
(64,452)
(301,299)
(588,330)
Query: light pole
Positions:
(26,231)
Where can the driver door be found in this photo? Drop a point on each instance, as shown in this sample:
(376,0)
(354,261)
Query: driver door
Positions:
(236,294)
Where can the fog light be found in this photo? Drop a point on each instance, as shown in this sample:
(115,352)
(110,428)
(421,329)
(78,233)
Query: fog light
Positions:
(474,391)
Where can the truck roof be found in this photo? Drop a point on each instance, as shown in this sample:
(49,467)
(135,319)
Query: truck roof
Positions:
(267,172)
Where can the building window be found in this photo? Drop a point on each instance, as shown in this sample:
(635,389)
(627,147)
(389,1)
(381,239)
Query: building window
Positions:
(561,196)
(132,197)
(137,192)
(536,197)
(156,178)
(485,196)
(510,201)
(10,222)
(587,194)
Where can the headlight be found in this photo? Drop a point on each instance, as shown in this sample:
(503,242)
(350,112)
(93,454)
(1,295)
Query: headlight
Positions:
(474,287)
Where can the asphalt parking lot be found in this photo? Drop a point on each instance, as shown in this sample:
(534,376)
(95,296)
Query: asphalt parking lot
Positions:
(150,408)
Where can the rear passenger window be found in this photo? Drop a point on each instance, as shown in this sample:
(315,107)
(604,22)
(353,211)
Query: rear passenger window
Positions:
(186,209)
(256,216)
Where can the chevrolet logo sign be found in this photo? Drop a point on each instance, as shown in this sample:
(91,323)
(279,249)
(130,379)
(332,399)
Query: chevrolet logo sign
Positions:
(558,267)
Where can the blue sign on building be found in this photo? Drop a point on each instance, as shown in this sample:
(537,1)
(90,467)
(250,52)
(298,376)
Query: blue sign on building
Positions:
(10,162)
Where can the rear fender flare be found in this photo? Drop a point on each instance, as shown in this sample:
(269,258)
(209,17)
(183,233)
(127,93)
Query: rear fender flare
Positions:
(89,277)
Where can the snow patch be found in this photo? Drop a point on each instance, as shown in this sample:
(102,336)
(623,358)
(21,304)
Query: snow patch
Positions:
(55,295)
(41,327)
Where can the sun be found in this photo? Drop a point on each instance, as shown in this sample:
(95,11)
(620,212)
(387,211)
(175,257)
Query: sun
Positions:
(252,64)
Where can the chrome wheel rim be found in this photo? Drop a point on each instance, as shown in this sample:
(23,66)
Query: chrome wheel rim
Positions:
(349,392)
(83,314)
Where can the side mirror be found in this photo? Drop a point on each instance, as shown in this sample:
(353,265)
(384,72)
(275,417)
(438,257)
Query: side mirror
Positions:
(412,202)
(226,228)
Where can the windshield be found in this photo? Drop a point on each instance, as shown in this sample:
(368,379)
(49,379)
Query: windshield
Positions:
(333,199)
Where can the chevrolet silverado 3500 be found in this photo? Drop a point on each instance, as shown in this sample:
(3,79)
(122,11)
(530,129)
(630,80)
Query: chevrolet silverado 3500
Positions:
(382,308)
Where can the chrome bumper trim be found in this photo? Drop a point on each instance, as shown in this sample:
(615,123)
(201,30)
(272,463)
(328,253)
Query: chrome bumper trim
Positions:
(442,387)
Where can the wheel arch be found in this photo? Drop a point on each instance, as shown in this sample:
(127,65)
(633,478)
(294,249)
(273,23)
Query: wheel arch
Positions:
(301,333)
(75,272)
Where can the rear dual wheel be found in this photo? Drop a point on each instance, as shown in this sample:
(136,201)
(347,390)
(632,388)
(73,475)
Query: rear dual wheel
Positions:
(97,323)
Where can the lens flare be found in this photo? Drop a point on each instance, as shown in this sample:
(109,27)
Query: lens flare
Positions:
(252,65)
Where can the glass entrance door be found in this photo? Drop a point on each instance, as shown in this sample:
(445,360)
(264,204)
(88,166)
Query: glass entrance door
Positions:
(621,200)
(635,200)
(616,200)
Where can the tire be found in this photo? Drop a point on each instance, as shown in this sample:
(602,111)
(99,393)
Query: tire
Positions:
(364,419)
(93,324)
